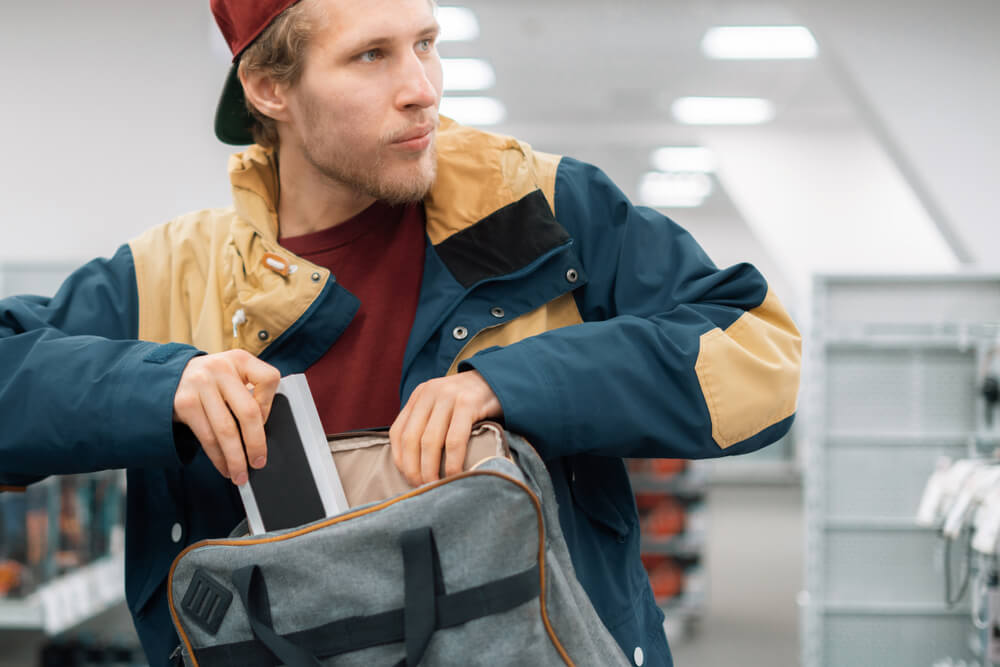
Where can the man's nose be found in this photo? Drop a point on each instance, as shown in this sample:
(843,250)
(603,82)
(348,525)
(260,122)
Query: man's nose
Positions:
(418,89)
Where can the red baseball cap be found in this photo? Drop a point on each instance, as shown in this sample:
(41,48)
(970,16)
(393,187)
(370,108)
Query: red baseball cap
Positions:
(241,22)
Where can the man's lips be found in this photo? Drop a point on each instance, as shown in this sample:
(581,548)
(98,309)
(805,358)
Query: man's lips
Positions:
(416,134)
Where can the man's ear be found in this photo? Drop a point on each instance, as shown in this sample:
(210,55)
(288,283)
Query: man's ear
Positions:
(264,93)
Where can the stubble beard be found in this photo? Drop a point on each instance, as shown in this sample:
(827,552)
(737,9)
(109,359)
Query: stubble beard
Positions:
(370,176)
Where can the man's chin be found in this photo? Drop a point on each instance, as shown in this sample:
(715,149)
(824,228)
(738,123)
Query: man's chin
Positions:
(408,184)
(404,190)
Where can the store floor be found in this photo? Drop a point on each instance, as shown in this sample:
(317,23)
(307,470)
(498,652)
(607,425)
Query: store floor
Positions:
(754,564)
(754,556)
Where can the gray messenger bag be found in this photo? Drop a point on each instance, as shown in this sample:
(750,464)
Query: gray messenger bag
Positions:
(469,570)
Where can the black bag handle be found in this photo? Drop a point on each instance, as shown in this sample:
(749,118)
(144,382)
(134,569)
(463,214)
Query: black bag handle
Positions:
(422,584)
(253,593)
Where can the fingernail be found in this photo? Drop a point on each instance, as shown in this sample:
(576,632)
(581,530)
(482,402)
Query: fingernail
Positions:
(241,479)
(259,462)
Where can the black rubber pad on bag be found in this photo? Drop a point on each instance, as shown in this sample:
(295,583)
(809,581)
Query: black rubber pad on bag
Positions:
(206,602)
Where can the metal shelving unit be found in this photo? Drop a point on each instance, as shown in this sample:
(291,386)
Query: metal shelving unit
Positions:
(891,388)
(671,495)
(62,551)
(68,600)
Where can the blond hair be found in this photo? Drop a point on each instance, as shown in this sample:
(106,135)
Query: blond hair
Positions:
(279,53)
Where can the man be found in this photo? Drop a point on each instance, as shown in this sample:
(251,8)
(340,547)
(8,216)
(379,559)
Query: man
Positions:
(421,274)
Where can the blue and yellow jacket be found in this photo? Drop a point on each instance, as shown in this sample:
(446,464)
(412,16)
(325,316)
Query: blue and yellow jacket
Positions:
(603,328)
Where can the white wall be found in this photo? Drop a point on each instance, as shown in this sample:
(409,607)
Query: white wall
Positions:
(827,202)
(107,113)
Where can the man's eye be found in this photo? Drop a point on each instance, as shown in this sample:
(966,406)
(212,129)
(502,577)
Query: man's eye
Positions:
(426,44)
(370,56)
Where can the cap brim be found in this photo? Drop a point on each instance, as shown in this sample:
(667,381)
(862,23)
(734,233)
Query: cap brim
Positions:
(232,120)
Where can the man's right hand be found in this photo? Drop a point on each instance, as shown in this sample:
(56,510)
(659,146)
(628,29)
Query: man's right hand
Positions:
(214,388)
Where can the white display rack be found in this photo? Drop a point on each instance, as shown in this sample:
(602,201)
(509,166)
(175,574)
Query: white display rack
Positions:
(68,600)
(891,387)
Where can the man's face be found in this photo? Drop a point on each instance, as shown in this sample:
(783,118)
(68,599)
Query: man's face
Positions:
(364,112)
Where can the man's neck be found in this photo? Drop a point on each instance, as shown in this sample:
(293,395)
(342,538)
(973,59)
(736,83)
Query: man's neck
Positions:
(310,201)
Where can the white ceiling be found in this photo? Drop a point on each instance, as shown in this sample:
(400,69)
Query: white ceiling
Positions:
(594,79)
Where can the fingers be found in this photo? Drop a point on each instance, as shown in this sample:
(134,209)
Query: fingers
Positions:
(437,420)
(246,409)
(264,378)
(396,432)
(226,433)
(225,399)
(410,436)
(202,429)
(456,442)
(432,441)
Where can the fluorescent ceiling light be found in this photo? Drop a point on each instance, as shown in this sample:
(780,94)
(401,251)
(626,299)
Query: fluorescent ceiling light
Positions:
(474,110)
(683,158)
(467,74)
(722,110)
(759,43)
(674,190)
(458,24)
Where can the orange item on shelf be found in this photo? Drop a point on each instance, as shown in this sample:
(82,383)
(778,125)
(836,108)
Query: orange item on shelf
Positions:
(666,580)
(667,467)
(647,501)
(665,519)
(651,561)
(10,577)
(660,468)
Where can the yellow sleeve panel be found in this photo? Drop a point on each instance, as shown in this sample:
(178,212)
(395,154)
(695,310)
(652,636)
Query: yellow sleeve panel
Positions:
(749,373)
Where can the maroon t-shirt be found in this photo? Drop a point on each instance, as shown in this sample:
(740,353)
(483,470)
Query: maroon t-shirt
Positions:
(378,255)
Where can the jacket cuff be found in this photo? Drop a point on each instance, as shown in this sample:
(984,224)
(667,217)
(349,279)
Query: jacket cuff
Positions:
(145,407)
(533,406)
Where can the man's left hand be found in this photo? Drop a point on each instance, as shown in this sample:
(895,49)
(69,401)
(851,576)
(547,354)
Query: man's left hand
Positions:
(439,416)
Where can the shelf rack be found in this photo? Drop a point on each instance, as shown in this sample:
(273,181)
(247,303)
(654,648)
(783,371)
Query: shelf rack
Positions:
(891,386)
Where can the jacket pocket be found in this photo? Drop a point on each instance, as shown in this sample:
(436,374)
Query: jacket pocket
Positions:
(601,489)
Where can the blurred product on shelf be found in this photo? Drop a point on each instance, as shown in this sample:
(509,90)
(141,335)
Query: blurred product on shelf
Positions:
(71,551)
(659,468)
(669,496)
(664,517)
(37,528)
(13,546)
(104,512)
(56,527)
(10,578)
(666,577)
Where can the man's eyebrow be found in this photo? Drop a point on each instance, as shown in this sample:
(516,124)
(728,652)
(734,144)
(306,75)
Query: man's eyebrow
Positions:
(430,30)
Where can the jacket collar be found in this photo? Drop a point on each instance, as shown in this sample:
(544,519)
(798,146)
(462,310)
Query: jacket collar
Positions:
(254,177)
(478,174)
